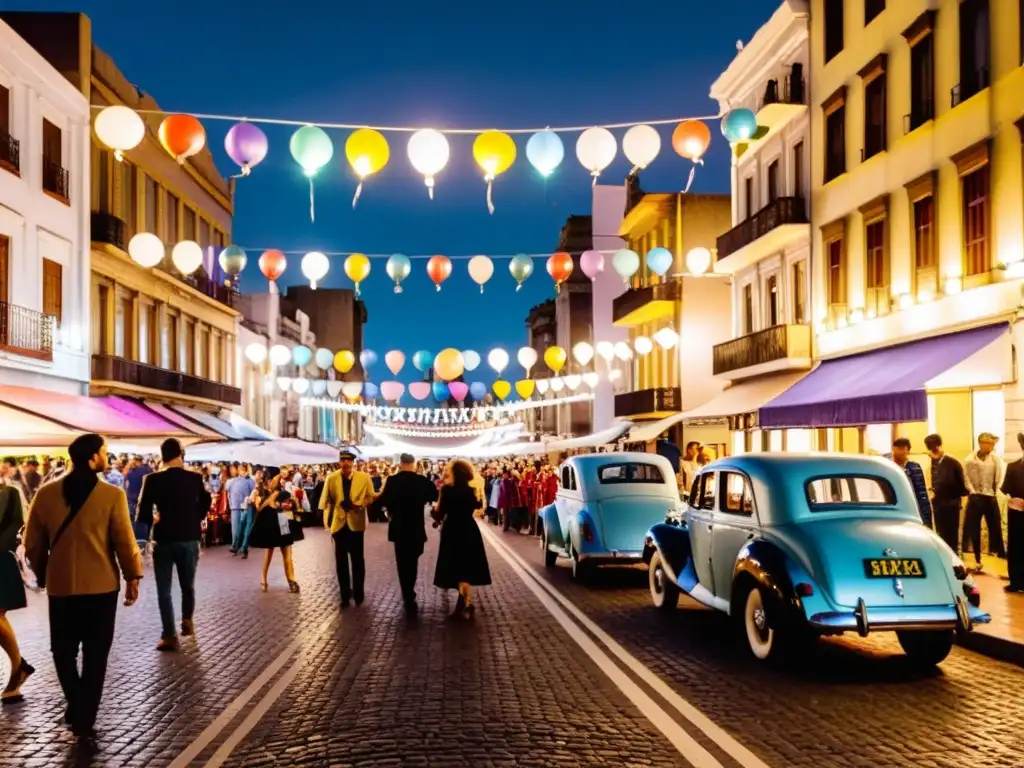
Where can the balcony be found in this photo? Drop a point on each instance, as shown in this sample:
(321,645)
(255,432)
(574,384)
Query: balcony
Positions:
(651,403)
(779,348)
(56,181)
(26,332)
(644,305)
(781,104)
(110,230)
(10,153)
(779,223)
(107,369)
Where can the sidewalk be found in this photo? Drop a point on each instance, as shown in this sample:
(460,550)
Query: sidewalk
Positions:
(1003,638)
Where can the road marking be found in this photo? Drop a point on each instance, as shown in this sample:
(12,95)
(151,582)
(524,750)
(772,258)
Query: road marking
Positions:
(684,743)
(719,736)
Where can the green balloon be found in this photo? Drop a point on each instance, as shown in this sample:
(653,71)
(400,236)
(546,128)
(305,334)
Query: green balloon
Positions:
(312,148)
(521,268)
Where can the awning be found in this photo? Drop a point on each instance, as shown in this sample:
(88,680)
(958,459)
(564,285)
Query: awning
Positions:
(884,386)
(209,421)
(264,452)
(183,422)
(593,440)
(246,428)
(646,431)
(744,397)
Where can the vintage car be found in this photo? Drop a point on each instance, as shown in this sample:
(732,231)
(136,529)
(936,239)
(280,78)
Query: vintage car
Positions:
(605,505)
(794,546)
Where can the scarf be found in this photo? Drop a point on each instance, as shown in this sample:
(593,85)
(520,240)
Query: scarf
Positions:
(77,486)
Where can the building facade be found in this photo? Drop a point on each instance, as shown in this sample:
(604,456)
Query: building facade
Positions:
(541,333)
(574,315)
(44,223)
(336,318)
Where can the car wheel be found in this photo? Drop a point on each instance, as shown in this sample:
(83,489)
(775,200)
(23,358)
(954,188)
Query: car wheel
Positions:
(550,558)
(580,569)
(664,593)
(761,638)
(926,648)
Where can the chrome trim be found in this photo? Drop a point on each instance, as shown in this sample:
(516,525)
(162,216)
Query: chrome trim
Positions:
(612,556)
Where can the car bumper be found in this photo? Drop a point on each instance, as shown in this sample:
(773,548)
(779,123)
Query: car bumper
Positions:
(618,557)
(864,619)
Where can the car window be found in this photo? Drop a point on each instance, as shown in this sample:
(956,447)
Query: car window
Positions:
(565,477)
(707,496)
(836,490)
(738,498)
(572,479)
(630,472)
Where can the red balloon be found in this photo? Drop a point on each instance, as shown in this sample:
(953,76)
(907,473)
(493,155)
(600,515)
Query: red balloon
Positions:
(439,268)
(272,264)
(560,267)
(691,139)
(182,136)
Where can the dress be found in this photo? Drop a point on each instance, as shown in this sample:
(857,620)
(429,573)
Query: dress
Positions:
(461,556)
(12,586)
(266,531)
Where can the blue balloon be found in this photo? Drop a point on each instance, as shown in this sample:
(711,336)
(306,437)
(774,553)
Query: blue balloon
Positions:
(659,260)
(302,356)
(422,360)
(545,151)
(478,390)
(368,358)
(370,390)
(324,359)
(441,392)
(739,125)
(319,387)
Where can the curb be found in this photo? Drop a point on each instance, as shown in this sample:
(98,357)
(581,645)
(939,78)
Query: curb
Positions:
(992,646)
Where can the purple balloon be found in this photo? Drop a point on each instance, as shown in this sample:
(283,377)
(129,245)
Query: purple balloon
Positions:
(459,389)
(247,145)
(592,263)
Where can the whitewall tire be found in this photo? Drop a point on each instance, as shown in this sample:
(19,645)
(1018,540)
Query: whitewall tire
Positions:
(760,636)
(664,593)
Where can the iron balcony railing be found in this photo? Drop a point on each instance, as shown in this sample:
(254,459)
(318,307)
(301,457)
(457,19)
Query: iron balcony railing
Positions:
(26,332)
(766,346)
(791,92)
(635,298)
(782,210)
(656,400)
(121,371)
(10,153)
(56,180)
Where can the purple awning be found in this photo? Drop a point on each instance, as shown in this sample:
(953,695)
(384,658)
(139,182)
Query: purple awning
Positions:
(884,386)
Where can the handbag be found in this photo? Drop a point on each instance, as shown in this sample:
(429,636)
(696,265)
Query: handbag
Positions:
(12,583)
(40,568)
(282,523)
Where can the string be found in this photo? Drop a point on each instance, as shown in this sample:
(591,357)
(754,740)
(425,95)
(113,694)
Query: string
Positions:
(359,191)
(312,210)
(499,257)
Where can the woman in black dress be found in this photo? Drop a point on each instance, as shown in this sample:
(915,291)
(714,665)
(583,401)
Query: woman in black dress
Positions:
(12,589)
(271,502)
(461,559)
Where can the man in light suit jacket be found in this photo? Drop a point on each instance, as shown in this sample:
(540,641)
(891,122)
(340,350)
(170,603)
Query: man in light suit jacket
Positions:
(346,495)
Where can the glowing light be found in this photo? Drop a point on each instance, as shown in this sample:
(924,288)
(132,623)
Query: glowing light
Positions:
(606,350)
(954,285)
(698,260)
(256,353)
(667,338)
(187,256)
(856,315)
(591,379)
(557,384)
(643,345)
(280,355)
(622,351)
(146,249)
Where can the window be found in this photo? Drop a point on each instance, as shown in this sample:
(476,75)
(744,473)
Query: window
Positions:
(824,492)
(707,491)
(738,498)
(188,329)
(126,326)
(974,50)
(771,290)
(748,309)
(188,224)
(871,9)
(152,193)
(5,111)
(874,117)
(203,353)
(170,219)
(152,335)
(798,170)
(127,211)
(52,150)
(749,198)
(924,233)
(101,321)
(101,185)
(53,290)
(568,478)
(773,181)
(835,143)
(922,79)
(215,358)
(5,268)
(975,221)
(836,273)
(172,348)
(833,28)
(799,292)
(633,472)
(876,271)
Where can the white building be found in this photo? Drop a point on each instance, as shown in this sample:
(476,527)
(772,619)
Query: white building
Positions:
(44,223)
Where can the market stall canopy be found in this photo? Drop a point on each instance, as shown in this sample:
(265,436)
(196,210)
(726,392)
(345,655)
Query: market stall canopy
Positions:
(168,414)
(645,431)
(267,453)
(744,397)
(22,430)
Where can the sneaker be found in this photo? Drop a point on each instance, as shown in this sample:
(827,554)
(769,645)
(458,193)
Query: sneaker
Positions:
(188,628)
(234,552)
(167,644)
(245,555)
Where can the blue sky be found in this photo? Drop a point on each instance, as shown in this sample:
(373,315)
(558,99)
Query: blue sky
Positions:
(448,64)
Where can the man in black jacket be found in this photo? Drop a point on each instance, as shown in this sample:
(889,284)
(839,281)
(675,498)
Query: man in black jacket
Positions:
(175,502)
(405,497)
(948,491)
(1013,486)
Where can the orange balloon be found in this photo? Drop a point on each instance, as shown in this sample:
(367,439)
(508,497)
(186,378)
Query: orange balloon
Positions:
(559,267)
(439,268)
(691,139)
(272,264)
(182,136)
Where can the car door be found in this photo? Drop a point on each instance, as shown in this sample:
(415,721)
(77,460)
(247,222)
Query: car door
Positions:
(735,523)
(568,502)
(699,516)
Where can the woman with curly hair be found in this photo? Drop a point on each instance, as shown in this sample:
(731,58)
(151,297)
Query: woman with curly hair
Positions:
(461,559)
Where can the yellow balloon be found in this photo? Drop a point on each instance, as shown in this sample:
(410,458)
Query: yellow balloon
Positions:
(495,152)
(502,389)
(367,151)
(357,267)
(344,360)
(449,364)
(555,358)
(524,388)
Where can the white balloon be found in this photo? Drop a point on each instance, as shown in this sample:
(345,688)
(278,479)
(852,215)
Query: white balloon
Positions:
(470,359)
(498,359)
(352,389)
(583,353)
(596,149)
(187,256)
(333,388)
(319,387)
(623,351)
(120,128)
(542,386)
(641,145)
(284,383)
(146,249)
(300,386)
(667,338)
(557,385)
(698,260)
(481,269)
(428,152)
(573,381)
(256,353)
(527,357)
(314,267)
(643,345)
(590,379)
(606,350)
(280,355)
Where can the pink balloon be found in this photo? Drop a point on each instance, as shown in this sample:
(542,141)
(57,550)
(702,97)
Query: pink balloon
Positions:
(458,390)
(392,390)
(420,390)
(592,263)
(394,360)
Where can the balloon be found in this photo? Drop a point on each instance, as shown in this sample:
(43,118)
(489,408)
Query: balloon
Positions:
(324,359)
(557,384)
(370,390)
(478,390)
(542,386)
(146,249)
(595,150)
(351,389)
(527,357)
(494,152)
(524,388)
(606,350)
(440,390)
(643,345)
(667,337)
(625,263)
(449,364)
(314,267)
(458,389)
(398,268)
(583,353)
(559,267)
(641,145)
(182,136)
(544,150)
(367,152)
(344,360)
(120,128)
(419,389)
(690,139)
(502,389)
(302,356)
(280,355)
(187,256)
(247,145)
(272,264)
(481,269)
(573,381)
(554,358)
(357,267)
(312,149)
(698,260)
(232,260)
(256,353)
(422,360)
(623,351)
(739,125)
(470,359)
(590,378)
(428,152)
(367,358)
(659,260)
(394,360)
(592,263)
(319,387)
(392,391)
(497,358)
(438,268)
(521,267)
(300,386)
(334,388)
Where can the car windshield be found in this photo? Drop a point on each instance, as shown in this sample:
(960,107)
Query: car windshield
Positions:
(631,472)
(832,491)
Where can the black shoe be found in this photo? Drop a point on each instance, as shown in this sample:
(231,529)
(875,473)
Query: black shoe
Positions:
(411,607)
(359,599)
(460,606)
(1011,588)
(12,693)
(245,555)
(234,552)
(345,602)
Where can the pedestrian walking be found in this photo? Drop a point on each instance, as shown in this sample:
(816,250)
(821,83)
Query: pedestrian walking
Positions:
(1013,486)
(133,478)
(77,536)
(272,528)
(461,559)
(12,590)
(31,477)
(983,474)
(405,497)
(175,502)
(915,474)
(346,495)
(948,491)
(239,489)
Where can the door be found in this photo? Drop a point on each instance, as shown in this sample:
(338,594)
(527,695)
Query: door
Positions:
(568,502)
(735,524)
(699,515)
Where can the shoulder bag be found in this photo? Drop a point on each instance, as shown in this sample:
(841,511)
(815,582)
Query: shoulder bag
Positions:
(41,568)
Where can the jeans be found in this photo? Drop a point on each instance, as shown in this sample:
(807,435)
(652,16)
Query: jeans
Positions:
(349,544)
(168,555)
(86,622)
(979,506)
(241,527)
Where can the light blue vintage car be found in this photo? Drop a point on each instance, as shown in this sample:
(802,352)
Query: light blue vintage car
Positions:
(795,546)
(605,505)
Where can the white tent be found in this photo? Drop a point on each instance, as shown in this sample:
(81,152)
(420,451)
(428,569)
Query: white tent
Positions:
(268,453)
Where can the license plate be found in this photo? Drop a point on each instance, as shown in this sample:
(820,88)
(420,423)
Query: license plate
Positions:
(894,568)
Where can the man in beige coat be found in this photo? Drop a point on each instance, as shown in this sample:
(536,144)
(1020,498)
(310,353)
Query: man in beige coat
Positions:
(78,534)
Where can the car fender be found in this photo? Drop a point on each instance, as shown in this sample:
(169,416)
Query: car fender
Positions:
(673,544)
(549,520)
(574,535)
(772,569)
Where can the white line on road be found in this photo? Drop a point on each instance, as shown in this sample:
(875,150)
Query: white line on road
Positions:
(719,736)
